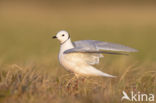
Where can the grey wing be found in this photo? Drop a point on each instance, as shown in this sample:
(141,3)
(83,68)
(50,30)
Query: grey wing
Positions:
(93,46)
(93,49)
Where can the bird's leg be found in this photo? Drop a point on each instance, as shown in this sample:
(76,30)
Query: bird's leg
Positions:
(83,79)
(69,82)
(72,85)
(76,82)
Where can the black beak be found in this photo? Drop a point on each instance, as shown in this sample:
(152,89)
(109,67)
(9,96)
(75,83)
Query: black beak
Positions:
(54,37)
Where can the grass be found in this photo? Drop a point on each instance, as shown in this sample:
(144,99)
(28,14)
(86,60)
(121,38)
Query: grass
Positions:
(32,84)
(29,69)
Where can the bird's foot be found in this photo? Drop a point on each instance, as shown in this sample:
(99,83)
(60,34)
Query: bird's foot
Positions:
(72,85)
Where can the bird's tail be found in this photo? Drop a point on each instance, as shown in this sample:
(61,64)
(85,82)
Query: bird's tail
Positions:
(93,71)
(107,75)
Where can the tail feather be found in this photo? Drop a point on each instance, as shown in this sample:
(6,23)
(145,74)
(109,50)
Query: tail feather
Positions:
(93,71)
(107,75)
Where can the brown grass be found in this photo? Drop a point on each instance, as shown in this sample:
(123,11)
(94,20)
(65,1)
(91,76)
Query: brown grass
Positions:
(30,85)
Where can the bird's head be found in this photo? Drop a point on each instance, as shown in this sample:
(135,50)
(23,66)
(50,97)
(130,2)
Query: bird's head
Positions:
(62,36)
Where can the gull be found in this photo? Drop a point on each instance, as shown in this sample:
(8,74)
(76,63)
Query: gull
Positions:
(79,57)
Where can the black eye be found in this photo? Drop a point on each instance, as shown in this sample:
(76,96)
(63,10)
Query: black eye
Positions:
(62,34)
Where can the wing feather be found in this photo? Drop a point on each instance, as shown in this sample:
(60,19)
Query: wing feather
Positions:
(93,46)
(92,50)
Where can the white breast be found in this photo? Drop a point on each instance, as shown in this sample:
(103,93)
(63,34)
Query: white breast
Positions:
(66,61)
(74,62)
(63,58)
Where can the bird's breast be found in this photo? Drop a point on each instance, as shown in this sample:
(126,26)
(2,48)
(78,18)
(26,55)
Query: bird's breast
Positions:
(71,61)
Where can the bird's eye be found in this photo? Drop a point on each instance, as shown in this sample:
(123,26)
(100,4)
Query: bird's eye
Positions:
(62,34)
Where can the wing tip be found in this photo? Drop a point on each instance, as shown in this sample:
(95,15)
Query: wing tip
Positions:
(134,50)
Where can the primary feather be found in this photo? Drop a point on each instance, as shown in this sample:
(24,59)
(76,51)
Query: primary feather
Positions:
(94,46)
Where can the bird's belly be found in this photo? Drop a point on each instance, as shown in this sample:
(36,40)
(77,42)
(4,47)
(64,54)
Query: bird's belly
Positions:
(72,62)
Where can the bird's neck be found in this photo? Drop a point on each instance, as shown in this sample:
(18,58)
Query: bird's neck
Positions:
(66,45)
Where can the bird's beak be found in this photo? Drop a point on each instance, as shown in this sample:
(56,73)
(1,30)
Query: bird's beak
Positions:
(54,37)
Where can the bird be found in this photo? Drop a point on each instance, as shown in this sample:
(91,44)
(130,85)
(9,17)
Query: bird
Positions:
(79,57)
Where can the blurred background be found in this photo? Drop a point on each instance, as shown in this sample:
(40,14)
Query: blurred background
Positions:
(26,27)
(29,68)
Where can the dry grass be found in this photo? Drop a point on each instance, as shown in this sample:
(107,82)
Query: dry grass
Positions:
(31,85)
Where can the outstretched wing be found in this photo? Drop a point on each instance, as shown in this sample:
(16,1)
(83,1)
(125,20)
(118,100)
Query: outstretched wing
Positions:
(93,49)
(93,46)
